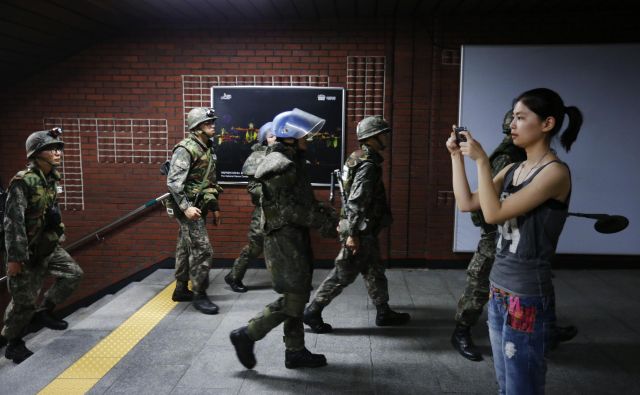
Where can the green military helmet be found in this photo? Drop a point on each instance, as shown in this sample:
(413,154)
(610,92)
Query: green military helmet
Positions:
(506,122)
(371,126)
(198,115)
(39,141)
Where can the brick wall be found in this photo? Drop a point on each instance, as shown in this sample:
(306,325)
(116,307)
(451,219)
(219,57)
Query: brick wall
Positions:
(138,76)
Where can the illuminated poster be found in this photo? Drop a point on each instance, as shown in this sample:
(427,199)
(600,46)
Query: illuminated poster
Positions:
(241,110)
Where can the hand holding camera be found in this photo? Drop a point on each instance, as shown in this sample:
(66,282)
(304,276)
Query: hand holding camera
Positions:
(459,137)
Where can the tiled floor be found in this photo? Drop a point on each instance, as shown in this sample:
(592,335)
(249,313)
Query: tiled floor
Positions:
(190,353)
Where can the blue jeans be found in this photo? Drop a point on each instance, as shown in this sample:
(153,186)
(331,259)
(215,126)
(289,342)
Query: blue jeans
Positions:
(519,329)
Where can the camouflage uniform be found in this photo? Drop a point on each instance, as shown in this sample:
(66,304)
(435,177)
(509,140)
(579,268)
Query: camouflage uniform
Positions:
(32,237)
(194,254)
(476,292)
(256,239)
(367,202)
(289,210)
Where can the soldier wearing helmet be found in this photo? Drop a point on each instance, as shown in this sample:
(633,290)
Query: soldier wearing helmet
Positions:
(289,209)
(194,191)
(33,230)
(255,246)
(365,213)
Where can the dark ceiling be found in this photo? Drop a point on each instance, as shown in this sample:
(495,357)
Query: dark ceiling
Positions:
(37,33)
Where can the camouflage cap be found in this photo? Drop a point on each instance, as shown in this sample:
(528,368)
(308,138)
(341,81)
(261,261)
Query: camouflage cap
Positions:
(39,141)
(198,115)
(371,126)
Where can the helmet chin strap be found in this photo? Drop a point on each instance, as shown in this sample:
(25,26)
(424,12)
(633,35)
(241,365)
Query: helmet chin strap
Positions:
(380,143)
(53,165)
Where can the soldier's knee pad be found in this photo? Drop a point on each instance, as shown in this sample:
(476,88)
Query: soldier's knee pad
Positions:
(293,304)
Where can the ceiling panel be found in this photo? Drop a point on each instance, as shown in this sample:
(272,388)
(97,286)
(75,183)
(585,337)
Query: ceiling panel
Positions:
(306,8)
(60,15)
(346,8)
(285,8)
(386,8)
(36,33)
(366,8)
(326,8)
(407,8)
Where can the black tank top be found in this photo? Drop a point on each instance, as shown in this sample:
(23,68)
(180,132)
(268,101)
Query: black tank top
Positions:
(527,243)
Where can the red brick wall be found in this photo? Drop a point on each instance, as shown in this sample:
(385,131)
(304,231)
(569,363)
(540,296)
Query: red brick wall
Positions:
(139,76)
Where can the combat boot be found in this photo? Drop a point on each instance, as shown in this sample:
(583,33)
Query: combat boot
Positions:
(182,293)
(48,319)
(17,351)
(244,347)
(313,318)
(461,341)
(202,303)
(387,317)
(562,334)
(236,285)
(303,359)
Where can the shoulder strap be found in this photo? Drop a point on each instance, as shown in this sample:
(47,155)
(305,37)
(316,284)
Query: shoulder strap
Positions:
(508,177)
(539,169)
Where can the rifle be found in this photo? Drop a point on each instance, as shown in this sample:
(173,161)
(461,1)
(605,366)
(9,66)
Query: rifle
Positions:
(343,194)
(345,206)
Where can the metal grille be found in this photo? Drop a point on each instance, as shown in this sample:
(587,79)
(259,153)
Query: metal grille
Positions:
(117,141)
(365,86)
(72,196)
(196,89)
(130,140)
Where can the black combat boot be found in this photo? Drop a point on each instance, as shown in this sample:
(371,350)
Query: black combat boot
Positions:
(202,303)
(244,347)
(562,334)
(303,359)
(48,319)
(387,317)
(17,351)
(313,318)
(461,341)
(236,285)
(182,293)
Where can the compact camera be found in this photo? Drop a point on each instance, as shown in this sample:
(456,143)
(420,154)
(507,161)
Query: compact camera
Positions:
(460,138)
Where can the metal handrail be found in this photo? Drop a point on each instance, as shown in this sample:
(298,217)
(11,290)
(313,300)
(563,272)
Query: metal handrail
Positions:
(97,235)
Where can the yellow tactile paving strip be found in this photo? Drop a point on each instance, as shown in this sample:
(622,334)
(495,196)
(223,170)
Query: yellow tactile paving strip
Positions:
(80,377)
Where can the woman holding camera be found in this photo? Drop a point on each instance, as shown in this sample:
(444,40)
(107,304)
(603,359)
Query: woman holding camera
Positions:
(529,201)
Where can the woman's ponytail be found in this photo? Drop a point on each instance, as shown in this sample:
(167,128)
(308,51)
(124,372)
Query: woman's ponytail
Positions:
(571,133)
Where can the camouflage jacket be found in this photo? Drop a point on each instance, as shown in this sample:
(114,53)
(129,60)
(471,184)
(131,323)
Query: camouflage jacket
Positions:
(287,195)
(367,198)
(254,188)
(29,233)
(187,170)
(504,154)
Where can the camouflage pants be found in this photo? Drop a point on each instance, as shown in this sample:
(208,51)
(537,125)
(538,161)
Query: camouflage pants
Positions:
(26,285)
(347,267)
(251,250)
(476,293)
(288,253)
(288,309)
(194,254)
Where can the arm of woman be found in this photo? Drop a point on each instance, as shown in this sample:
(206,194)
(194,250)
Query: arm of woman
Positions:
(465,199)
